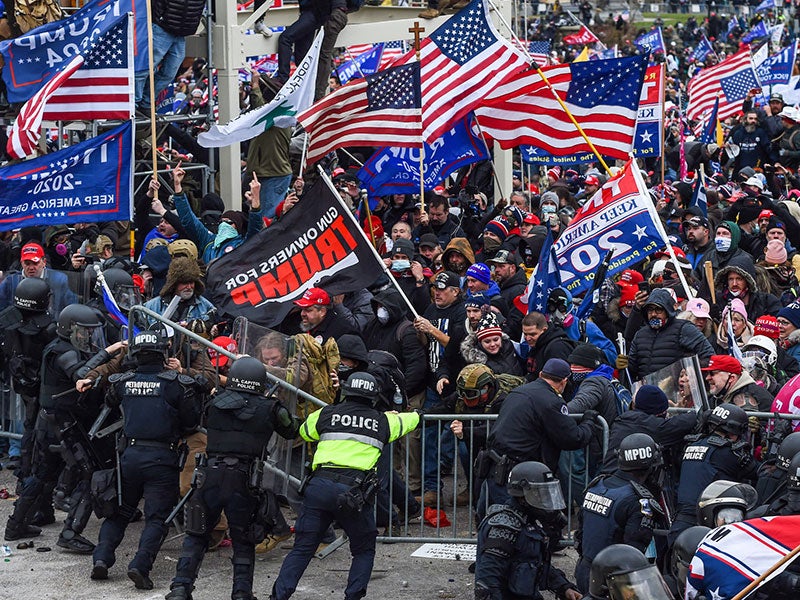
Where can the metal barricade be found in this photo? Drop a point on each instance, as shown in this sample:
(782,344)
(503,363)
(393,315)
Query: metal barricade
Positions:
(458,524)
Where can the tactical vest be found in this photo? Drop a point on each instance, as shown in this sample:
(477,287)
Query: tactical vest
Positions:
(147,415)
(54,381)
(697,471)
(239,423)
(599,524)
(354,422)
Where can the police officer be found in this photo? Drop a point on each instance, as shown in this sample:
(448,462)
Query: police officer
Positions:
(350,437)
(63,420)
(26,328)
(724,502)
(241,420)
(719,453)
(622,571)
(681,555)
(158,405)
(621,508)
(517,538)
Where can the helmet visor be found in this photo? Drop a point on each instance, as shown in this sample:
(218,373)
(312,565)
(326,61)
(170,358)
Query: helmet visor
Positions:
(545,496)
(729,515)
(644,584)
(127,296)
(88,338)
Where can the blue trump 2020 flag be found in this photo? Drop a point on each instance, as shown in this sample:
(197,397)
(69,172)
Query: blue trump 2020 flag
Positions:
(758,30)
(777,69)
(396,170)
(652,41)
(702,50)
(32,59)
(365,63)
(88,182)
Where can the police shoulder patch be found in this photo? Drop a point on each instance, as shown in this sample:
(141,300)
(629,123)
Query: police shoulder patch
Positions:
(168,375)
(186,380)
(564,409)
(117,377)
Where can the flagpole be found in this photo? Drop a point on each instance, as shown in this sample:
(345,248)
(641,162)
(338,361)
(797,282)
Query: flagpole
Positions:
(550,87)
(416,30)
(761,578)
(303,156)
(660,229)
(326,178)
(151,66)
(663,129)
(491,160)
(369,220)
(355,62)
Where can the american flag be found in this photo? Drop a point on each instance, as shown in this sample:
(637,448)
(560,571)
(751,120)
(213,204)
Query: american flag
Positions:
(103,87)
(462,61)
(731,79)
(602,95)
(381,110)
(539,50)
(391,51)
(544,278)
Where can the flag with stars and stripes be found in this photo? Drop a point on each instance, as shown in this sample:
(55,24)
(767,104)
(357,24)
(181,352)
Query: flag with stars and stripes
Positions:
(602,95)
(461,61)
(545,277)
(540,52)
(380,110)
(699,195)
(731,79)
(97,85)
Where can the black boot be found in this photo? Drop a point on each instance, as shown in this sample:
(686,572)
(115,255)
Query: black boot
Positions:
(140,580)
(179,592)
(17,531)
(99,570)
(74,542)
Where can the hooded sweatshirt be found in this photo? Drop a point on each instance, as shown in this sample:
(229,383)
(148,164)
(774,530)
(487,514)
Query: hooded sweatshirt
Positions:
(594,334)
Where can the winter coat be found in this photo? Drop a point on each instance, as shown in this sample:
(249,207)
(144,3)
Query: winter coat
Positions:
(451,230)
(509,290)
(461,245)
(588,331)
(595,392)
(405,345)
(553,343)
(652,350)
(758,303)
(178,17)
(747,391)
(505,361)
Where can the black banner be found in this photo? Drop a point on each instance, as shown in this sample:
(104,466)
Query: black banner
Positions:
(315,244)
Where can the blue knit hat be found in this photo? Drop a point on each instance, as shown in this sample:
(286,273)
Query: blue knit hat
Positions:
(651,400)
(481,272)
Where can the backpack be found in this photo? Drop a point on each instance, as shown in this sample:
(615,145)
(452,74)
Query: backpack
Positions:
(322,360)
(623,396)
(401,331)
(30,14)
(386,369)
(506,383)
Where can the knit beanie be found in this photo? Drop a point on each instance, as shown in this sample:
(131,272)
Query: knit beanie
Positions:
(586,355)
(651,400)
(498,228)
(791,313)
(776,252)
(513,215)
(477,301)
(481,272)
(768,326)
(488,327)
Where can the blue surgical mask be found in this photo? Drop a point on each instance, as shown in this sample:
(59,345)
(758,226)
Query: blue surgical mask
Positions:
(398,266)
(756,229)
(225,232)
(548,209)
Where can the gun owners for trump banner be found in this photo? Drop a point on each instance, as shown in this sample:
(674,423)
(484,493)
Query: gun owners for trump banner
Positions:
(315,244)
(620,216)
(88,182)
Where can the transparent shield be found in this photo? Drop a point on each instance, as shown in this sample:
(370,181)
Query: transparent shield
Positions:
(645,584)
(682,382)
(284,359)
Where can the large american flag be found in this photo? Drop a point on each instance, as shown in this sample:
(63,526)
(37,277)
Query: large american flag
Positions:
(731,79)
(390,53)
(103,87)
(380,110)
(602,95)
(462,61)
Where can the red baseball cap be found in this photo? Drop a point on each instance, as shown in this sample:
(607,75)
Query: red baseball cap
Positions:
(531,219)
(592,180)
(223,341)
(631,277)
(724,363)
(314,297)
(32,251)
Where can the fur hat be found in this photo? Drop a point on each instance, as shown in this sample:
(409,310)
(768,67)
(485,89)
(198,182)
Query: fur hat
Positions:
(182,270)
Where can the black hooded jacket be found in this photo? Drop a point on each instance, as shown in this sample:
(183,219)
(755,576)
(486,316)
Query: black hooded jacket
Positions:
(654,349)
(553,343)
(398,337)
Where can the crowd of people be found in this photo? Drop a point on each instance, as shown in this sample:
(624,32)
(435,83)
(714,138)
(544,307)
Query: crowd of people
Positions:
(673,369)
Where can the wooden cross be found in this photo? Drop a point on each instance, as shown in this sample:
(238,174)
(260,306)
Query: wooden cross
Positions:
(416,30)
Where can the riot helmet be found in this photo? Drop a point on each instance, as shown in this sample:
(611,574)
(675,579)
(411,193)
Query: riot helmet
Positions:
(150,345)
(639,452)
(33,295)
(724,502)
(361,387)
(682,553)
(763,347)
(247,374)
(476,385)
(82,326)
(120,284)
(793,480)
(789,448)
(536,486)
(728,418)
(621,572)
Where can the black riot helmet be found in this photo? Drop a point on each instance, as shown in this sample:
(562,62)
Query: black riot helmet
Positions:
(121,285)
(639,452)
(536,486)
(724,502)
(793,481)
(82,326)
(789,448)
(247,374)
(622,572)
(682,553)
(729,418)
(149,345)
(361,387)
(32,294)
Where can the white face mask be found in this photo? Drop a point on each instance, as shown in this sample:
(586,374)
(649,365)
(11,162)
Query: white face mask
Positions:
(382,314)
(723,244)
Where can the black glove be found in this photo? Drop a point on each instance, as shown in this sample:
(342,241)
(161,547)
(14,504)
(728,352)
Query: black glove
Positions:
(716,312)
(589,415)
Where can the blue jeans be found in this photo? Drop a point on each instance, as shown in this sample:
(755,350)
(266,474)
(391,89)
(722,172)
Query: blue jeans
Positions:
(438,446)
(168,54)
(320,509)
(273,191)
